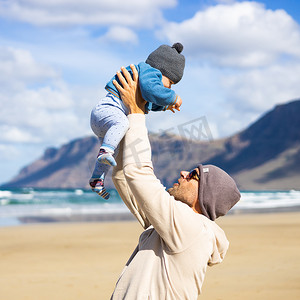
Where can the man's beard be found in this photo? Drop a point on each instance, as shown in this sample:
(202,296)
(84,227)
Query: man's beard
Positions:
(178,194)
(175,193)
(171,191)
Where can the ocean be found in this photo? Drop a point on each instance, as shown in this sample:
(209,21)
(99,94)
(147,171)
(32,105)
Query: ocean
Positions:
(28,205)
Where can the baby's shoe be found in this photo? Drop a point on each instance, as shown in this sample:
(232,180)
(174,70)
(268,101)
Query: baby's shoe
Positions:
(106,158)
(97,185)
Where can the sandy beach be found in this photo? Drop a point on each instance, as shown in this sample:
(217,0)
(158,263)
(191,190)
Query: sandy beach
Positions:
(83,260)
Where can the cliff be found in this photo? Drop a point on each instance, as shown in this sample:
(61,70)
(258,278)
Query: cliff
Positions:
(264,156)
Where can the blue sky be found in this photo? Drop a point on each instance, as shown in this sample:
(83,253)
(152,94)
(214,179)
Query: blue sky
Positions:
(242,58)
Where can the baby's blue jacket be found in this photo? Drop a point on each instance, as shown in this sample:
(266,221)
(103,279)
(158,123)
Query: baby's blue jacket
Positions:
(153,91)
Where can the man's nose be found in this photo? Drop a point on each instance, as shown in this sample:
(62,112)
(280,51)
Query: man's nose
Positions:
(183,174)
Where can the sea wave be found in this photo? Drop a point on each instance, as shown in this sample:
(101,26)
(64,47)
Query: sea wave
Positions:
(38,202)
(268,199)
(20,203)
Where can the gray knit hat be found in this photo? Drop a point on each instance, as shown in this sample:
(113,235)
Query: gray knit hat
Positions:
(218,192)
(168,60)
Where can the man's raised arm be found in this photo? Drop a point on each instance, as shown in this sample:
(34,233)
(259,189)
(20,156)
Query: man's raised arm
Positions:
(118,176)
(124,191)
(151,196)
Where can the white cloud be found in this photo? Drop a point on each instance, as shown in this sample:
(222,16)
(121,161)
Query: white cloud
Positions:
(259,90)
(11,134)
(245,59)
(35,104)
(19,65)
(38,108)
(242,34)
(120,34)
(144,13)
(225,1)
(37,116)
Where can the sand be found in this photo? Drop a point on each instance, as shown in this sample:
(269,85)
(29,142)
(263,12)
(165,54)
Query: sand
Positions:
(82,261)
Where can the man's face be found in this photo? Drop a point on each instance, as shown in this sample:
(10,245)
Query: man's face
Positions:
(186,190)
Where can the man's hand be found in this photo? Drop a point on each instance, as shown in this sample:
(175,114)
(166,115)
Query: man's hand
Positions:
(129,91)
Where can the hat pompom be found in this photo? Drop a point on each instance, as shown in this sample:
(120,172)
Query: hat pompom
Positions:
(178,47)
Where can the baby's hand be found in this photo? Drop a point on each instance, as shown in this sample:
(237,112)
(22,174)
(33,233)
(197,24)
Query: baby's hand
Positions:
(176,105)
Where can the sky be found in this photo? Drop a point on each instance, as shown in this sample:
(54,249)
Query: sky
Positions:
(242,59)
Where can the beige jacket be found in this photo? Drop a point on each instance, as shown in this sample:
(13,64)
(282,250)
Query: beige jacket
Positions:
(172,255)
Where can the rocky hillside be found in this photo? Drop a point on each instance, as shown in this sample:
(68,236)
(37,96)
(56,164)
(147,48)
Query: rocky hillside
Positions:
(267,154)
(264,156)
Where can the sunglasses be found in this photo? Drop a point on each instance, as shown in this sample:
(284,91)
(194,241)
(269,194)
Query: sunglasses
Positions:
(193,175)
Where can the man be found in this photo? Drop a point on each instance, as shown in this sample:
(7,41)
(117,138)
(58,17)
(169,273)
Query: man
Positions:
(180,237)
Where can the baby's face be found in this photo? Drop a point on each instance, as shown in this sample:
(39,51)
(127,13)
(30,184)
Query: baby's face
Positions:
(166,82)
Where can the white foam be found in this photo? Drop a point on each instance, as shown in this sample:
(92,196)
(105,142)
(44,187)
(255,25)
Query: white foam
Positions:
(4,201)
(269,199)
(22,203)
(5,194)
(79,192)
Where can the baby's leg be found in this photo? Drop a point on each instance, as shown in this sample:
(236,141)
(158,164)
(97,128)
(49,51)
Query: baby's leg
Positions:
(117,125)
(110,124)
(97,179)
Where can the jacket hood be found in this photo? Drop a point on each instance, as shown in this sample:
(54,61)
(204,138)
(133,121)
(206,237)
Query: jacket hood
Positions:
(218,192)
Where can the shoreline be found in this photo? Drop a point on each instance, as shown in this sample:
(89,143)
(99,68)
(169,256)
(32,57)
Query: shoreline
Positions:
(120,216)
(127,216)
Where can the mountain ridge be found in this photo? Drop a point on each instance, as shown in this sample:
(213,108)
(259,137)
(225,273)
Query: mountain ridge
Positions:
(266,155)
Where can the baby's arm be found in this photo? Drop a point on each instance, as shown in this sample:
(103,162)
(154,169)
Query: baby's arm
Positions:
(152,88)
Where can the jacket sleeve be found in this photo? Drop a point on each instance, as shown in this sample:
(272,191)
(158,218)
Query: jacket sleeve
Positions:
(158,107)
(152,88)
(124,191)
(171,219)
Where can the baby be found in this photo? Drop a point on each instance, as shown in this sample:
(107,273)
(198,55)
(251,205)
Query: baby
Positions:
(109,122)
